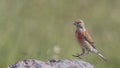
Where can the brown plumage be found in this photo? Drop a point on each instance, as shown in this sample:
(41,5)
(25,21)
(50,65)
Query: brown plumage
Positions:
(85,39)
(89,38)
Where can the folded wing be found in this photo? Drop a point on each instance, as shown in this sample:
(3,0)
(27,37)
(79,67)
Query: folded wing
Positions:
(89,38)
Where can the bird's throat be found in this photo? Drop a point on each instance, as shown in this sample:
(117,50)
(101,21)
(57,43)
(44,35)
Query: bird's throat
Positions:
(81,29)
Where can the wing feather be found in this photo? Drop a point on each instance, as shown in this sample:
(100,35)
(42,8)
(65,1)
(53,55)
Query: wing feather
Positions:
(89,38)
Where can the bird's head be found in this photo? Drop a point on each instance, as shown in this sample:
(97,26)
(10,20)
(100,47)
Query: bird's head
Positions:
(79,24)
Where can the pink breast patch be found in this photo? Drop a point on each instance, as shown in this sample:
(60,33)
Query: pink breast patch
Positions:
(79,36)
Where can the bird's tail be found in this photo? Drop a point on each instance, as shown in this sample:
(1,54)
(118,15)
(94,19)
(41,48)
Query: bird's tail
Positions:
(100,55)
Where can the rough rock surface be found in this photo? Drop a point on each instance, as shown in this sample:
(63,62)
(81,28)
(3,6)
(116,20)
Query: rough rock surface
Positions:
(32,63)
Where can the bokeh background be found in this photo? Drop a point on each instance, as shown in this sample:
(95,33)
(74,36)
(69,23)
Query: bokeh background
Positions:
(43,30)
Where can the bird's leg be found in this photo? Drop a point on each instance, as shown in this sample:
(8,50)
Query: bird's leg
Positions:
(87,53)
(78,55)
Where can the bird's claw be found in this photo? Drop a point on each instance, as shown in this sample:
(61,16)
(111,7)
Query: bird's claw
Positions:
(78,55)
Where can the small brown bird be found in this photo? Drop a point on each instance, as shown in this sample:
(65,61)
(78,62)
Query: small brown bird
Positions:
(85,40)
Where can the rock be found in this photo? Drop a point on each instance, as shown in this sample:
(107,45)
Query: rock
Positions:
(32,63)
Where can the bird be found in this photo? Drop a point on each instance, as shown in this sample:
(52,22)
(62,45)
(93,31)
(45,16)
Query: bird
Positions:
(85,40)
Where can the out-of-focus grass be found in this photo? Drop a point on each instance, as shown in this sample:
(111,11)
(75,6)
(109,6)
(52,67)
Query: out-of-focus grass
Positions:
(38,28)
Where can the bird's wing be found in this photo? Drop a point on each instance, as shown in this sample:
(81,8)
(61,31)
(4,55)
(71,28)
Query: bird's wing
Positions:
(89,38)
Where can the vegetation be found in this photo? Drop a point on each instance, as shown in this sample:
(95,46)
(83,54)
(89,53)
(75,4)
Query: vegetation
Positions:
(43,29)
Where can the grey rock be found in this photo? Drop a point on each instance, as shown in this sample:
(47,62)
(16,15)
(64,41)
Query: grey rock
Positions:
(32,63)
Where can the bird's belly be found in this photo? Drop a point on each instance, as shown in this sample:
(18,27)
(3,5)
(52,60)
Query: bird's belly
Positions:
(87,46)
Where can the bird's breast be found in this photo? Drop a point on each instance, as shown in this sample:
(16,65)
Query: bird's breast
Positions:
(80,36)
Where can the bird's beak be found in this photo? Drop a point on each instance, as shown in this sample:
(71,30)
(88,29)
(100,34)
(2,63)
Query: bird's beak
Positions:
(74,23)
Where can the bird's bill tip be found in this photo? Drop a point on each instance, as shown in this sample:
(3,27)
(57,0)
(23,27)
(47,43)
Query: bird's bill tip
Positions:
(74,23)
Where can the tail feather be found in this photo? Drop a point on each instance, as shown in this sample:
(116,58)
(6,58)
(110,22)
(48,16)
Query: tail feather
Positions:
(100,55)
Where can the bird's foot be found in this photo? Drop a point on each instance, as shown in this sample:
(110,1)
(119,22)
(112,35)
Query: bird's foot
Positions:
(87,53)
(78,55)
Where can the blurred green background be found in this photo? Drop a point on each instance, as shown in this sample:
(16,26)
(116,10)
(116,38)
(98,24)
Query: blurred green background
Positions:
(43,30)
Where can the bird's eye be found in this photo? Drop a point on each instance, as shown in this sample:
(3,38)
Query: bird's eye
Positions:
(78,23)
